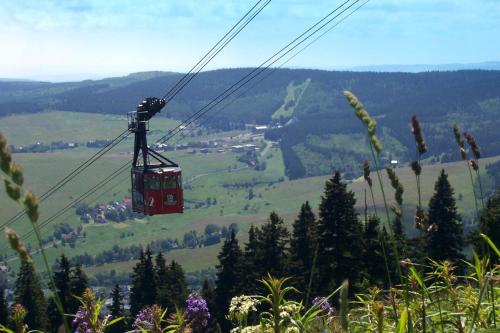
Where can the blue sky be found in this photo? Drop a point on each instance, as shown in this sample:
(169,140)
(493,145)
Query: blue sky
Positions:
(97,38)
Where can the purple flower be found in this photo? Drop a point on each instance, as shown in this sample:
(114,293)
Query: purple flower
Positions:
(197,313)
(81,321)
(325,305)
(144,320)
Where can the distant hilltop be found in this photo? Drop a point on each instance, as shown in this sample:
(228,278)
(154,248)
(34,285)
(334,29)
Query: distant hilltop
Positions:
(488,65)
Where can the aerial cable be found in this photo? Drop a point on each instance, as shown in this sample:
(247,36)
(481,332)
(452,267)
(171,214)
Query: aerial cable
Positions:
(248,17)
(91,160)
(216,49)
(245,80)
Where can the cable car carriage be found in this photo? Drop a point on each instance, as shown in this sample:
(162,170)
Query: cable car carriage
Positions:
(156,180)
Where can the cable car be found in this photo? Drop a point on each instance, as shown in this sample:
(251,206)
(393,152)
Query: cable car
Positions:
(156,180)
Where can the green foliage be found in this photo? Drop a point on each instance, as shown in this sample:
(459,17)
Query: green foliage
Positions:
(28,292)
(116,310)
(229,273)
(339,237)
(302,242)
(445,238)
(143,290)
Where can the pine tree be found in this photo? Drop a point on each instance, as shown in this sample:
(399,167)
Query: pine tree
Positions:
(302,246)
(4,311)
(228,274)
(271,251)
(78,283)
(250,274)
(339,238)
(116,310)
(445,239)
(28,292)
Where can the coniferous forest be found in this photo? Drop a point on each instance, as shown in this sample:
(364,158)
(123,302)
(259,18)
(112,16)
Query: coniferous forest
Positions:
(334,270)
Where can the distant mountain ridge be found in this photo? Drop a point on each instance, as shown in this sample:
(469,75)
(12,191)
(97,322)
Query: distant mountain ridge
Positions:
(324,133)
(418,68)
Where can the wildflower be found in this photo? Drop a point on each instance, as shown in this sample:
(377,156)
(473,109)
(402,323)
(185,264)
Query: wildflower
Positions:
(144,321)
(242,305)
(405,262)
(417,133)
(17,245)
(473,145)
(81,321)
(323,303)
(197,310)
(366,173)
(289,309)
(18,314)
(415,166)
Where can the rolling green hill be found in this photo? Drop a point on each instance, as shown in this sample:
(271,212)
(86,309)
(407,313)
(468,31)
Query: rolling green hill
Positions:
(310,102)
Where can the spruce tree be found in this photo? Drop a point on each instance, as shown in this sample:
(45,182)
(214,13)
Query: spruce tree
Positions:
(445,239)
(63,288)
(78,283)
(228,278)
(136,295)
(28,292)
(176,286)
(339,238)
(490,221)
(302,246)
(116,310)
(208,293)
(373,257)
(143,291)
(4,311)
(271,251)
(161,272)
(250,274)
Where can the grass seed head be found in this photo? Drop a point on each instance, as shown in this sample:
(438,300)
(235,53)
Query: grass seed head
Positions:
(5,160)
(420,219)
(376,144)
(16,174)
(474,165)
(13,191)
(31,205)
(415,166)
(473,145)
(419,137)
(366,173)
(17,245)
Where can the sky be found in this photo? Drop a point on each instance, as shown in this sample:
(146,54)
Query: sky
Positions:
(88,39)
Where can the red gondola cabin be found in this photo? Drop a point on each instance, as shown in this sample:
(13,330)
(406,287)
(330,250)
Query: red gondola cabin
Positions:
(156,188)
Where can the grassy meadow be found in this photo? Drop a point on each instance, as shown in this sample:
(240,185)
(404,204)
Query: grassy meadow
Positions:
(212,175)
